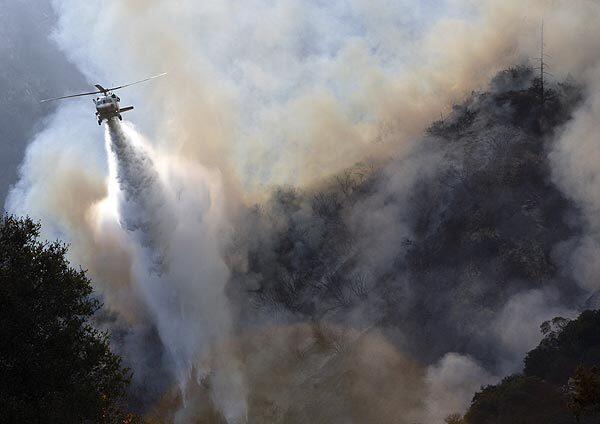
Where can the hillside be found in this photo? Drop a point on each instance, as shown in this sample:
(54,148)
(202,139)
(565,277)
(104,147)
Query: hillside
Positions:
(432,246)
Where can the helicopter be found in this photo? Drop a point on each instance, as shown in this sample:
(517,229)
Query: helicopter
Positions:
(107,105)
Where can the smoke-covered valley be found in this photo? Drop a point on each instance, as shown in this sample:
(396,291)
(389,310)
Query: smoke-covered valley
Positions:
(358,212)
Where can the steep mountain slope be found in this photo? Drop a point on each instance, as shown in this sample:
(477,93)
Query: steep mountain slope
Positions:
(432,247)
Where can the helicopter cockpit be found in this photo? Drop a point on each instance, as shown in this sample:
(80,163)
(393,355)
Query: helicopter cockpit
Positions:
(107,99)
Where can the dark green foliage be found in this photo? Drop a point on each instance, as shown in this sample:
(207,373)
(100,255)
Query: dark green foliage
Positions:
(561,352)
(520,400)
(54,366)
(584,392)
(555,387)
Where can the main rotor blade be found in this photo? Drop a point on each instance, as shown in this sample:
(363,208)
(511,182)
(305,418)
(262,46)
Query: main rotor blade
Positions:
(137,82)
(104,90)
(72,95)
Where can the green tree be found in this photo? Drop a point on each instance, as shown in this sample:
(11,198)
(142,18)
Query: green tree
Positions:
(519,400)
(566,345)
(583,391)
(54,366)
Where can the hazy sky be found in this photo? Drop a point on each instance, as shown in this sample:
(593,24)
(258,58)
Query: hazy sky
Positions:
(32,68)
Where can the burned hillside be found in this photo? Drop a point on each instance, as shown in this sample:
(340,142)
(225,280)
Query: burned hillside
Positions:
(432,247)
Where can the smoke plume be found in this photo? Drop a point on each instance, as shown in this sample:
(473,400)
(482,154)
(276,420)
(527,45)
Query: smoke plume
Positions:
(313,95)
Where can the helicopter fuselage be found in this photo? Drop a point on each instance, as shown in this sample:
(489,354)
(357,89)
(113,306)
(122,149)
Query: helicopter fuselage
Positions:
(107,107)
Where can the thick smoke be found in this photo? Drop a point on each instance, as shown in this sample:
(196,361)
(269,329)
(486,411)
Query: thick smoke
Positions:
(451,384)
(315,373)
(315,91)
(265,93)
(577,170)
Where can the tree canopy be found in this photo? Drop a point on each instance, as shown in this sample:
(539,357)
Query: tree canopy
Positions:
(560,352)
(54,365)
(519,400)
(560,382)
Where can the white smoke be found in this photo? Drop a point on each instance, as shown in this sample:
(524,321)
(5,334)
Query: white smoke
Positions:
(450,386)
(576,154)
(517,327)
(290,91)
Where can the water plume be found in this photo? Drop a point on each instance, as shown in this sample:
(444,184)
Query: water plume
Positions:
(172,216)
